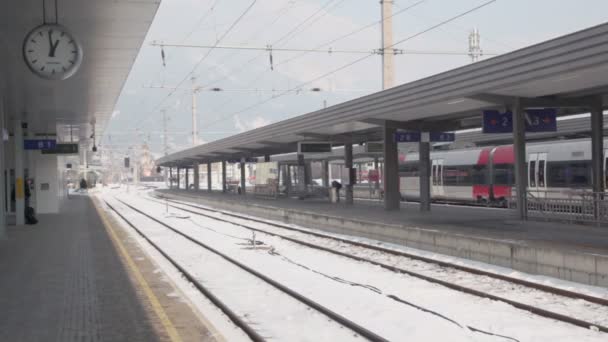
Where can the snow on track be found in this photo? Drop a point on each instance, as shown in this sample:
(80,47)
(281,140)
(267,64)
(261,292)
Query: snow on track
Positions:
(276,315)
(329,279)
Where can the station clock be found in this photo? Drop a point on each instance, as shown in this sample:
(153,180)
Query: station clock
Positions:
(52,52)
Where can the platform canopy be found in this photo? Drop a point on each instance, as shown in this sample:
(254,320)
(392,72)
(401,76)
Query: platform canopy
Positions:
(568,72)
(111,34)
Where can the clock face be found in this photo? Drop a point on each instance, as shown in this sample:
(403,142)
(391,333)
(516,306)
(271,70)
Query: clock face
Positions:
(51,52)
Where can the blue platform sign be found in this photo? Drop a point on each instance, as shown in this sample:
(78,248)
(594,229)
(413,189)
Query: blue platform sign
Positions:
(536,120)
(496,122)
(407,136)
(442,137)
(39,144)
(541,120)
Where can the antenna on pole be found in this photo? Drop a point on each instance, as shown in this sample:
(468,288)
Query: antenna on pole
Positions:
(475,51)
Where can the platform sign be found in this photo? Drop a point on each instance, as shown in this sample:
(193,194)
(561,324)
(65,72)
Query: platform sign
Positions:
(407,136)
(39,144)
(314,147)
(496,122)
(62,148)
(374,147)
(442,137)
(541,120)
(536,120)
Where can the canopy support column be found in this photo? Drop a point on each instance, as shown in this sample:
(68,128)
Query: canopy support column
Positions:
(325,173)
(243,178)
(424,168)
(597,154)
(196,176)
(519,149)
(348,165)
(223,176)
(209,187)
(392,197)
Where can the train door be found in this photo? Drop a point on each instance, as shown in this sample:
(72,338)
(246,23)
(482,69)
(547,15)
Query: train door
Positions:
(437,178)
(537,171)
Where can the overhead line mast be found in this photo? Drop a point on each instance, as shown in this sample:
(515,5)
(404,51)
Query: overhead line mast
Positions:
(387,51)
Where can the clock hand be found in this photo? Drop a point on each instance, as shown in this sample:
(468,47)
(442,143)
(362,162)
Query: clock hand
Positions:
(53,46)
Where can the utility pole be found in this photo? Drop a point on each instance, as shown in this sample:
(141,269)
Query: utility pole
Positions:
(194,116)
(388,53)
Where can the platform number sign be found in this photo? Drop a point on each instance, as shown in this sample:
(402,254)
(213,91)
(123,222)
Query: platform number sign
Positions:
(541,120)
(496,122)
(442,137)
(536,120)
(407,136)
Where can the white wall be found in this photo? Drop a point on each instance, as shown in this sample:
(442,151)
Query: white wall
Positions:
(46,172)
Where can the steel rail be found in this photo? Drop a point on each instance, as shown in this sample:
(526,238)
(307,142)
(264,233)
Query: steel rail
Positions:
(309,302)
(248,330)
(542,287)
(526,307)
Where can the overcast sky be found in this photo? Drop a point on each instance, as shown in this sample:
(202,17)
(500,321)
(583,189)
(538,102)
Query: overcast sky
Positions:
(504,25)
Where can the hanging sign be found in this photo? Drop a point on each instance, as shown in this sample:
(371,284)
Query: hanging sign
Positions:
(407,136)
(442,137)
(541,120)
(536,120)
(38,144)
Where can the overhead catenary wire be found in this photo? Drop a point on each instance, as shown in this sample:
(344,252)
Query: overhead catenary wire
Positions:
(314,50)
(198,63)
(356,61)
(289,60)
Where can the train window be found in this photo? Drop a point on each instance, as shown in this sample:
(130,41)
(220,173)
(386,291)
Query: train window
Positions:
(503,174)
(556,175)
(579,174)
(532,174)
(434,174)
(541,173)
(478,175)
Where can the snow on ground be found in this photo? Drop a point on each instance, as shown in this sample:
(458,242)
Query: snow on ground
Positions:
(584,310)
(274,314)
(359,290)
(540,279)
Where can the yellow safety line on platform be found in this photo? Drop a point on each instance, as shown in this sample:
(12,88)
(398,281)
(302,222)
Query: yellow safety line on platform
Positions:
(158,309)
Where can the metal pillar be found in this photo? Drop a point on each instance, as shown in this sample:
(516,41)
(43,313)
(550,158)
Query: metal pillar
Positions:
(597,153)
(519,149)
(2,189)
(224,176)
(243,178)
(187,170)
(19,181)
(377,181)
(177,172)
(209,184)
(287,178)
(424,168)
(196,176)
(392,197)
(348,165)
(170,177)
(325,173)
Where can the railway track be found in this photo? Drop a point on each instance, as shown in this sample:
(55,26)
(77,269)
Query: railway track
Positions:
(231,313)
(563,293)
